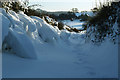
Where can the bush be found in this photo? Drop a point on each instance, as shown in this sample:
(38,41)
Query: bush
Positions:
(15,6)
(84,17)
(101,25)
(75,30)
(60,25)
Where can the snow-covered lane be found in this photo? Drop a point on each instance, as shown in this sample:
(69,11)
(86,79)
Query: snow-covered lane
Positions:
(52,63)
(41,51)
(62,62)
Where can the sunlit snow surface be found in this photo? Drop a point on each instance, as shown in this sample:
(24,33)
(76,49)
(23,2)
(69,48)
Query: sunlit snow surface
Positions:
(42,51)
(74,24)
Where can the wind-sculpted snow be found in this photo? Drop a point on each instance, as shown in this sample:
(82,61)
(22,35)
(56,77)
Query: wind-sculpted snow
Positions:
(27,22)
(24,29)
(44,51)
(5,25)
(21,44)
(47,32)
(19,28)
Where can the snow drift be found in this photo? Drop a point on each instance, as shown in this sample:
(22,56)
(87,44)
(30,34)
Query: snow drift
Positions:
(43,51)
(23,29)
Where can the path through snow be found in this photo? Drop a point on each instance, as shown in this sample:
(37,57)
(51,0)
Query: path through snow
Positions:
(58,54)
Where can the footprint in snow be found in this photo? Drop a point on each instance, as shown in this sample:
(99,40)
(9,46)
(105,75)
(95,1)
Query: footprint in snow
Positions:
(80,61)
(90,70)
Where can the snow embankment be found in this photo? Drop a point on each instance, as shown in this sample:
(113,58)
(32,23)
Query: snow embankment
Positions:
(47,32)
(22,30)
(14,35)
(58,54)
(4,28)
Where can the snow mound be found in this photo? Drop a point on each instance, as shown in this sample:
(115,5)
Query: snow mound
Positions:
(19,27)
(47,32)
(24,30)
(21,43)
(68,56)
(28,22)
(4,27)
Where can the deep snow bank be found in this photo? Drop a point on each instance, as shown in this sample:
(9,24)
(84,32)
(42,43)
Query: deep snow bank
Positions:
(59,54)
(5,23)
(23,30)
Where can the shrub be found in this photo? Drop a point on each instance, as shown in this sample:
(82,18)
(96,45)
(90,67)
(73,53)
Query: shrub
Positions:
(60,25)
(84,17)
(75,30)
(13,5)
(101,25)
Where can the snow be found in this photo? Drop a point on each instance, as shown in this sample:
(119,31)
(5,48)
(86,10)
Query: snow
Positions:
(63,62)
(0,32)
(74,24)
(4,27)
(104,58)
(21,43)
(46,31)
(28,22)
(0,65)
(89,13)
(49,19)
(76,38)
(42,51)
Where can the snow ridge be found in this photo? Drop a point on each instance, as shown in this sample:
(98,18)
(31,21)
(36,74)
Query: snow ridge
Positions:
(40,50)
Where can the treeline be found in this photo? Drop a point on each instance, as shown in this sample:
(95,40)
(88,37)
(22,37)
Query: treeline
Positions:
(66,16)
(70,16)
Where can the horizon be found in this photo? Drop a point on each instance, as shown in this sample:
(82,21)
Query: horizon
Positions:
(64,5)
(67,5)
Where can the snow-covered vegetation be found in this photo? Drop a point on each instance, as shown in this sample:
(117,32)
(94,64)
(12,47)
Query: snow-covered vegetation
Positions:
(105,24)
(32,48)
(89,13)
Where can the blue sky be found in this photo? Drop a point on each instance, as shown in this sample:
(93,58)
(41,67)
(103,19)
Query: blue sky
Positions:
(64,5)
